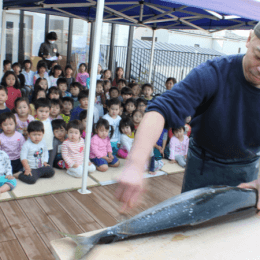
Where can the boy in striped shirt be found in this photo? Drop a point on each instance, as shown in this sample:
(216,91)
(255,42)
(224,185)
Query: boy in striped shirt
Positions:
(72,150)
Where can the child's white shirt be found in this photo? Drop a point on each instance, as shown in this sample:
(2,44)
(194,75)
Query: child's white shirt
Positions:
(126,142)
(115,123)
(48,133)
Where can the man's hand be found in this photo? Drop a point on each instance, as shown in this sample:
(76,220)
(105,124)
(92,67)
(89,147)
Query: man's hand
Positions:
(9,177)
(75,165)
(253,185)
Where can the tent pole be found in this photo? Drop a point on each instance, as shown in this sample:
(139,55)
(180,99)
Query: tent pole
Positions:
(92,92)
(3,40)
(151,59)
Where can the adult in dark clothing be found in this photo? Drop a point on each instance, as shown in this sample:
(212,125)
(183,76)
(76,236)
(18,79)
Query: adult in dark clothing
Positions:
(49,49)
(222,96)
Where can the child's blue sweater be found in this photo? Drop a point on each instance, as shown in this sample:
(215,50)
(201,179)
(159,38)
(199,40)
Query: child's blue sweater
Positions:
(224,107)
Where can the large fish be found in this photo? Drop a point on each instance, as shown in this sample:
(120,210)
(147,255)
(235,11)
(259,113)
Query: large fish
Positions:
(189,208)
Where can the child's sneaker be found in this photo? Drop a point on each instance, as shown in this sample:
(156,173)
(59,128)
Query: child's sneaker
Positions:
(61,164)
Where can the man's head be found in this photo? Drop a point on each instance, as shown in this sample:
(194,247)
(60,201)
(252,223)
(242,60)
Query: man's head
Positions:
(251,61)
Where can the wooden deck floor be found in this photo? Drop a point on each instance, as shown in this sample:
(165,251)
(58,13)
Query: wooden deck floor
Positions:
(25,225)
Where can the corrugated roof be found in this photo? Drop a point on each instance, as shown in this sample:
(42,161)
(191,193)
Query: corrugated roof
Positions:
(174,47)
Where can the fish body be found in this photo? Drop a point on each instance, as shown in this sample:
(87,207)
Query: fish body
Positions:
(189,208)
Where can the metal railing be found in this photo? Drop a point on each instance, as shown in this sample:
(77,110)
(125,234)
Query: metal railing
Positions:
(165,64)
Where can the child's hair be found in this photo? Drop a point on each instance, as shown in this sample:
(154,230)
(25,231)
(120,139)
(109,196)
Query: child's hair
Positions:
(42,102)
(58,67)
(37,83)
(26,61)
(51,36)
(103,122)
(137,111)
(6,62)
(16,84)
(123,81)
(171,79)
(75,124)
(178,128)
(126,91)
(50,67)
(104,72)
(101,82)
(132,84)
(113,88)
(83,115)
(61,81)
(20,99)
(58,124)
(35,126)
(76,85)
(41,64)
(56,102)
(141,100)
(7,115)
(4,89)
(147,85)
(35,93)
(68,67)
(16,64)
(126,121)
(83,94)
(130,100)
(85,65)
(69,99)
(114,101)
(54,90)
(105,82)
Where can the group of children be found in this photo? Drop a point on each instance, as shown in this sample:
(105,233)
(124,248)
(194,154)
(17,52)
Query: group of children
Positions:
(43,119)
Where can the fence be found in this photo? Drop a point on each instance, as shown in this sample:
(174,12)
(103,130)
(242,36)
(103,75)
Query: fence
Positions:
(165,64)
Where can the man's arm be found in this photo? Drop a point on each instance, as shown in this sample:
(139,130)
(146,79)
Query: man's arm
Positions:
(131,178)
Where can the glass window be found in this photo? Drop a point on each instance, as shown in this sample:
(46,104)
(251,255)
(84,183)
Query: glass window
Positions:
(60,25)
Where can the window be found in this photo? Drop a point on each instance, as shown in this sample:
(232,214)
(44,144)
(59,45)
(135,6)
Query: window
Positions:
(239,50)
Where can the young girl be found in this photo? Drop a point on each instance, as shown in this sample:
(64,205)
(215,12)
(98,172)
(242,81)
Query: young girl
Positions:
(107,75)
(72,150)
(169,83)
(11,82)
(22,115)
(99,69)
(130,106)
(119,75)
(54,93)
(39,93)
(82,74)
(179,145)
(127,129)
(11,141)
(57,73)
(107,86)
(41,72)
(56,108)
(51,67)
(137,118)
(100,147)
(136,90)
(100,97)
(68,76)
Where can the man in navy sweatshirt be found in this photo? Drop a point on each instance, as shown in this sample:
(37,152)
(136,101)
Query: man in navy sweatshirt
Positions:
(223,98)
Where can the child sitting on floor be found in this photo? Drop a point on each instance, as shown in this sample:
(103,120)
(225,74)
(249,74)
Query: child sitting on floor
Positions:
(42,107)
(11,141)
(7,181)
(130,106)
(59,131)
(127,129)
(179,145)
(75,89)
(67,104)
(34,156)
(83,119)
(141,104)
(4,97)
(56,107)
(137,117)
(100,147)
(23,117)
(72,150)
(54,93)
(114,119)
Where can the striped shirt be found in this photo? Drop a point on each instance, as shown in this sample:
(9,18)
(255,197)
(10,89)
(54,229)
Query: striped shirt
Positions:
(72,153)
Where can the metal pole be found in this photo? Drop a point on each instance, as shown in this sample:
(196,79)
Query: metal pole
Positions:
(151,59)
(3,42)
(21,38)
(47,21)
(92,93)
(69,41)
(129,52)
(112,45)
(92,33)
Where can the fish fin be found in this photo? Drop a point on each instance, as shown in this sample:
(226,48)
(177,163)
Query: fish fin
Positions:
(82,250)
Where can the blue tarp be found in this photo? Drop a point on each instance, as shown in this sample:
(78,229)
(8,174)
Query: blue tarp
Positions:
(128,12)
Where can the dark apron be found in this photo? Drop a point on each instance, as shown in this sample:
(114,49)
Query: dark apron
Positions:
(203,169)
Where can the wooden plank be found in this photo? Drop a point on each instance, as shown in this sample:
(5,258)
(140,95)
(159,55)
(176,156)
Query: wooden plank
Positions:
(6,231)
(100,215)
(169,185)
(27,236)
(12,250)
(58,215)
(176,178)
(76,212)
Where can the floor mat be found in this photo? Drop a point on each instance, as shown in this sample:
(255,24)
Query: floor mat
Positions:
(5,196)
(60,182)
(171,168)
